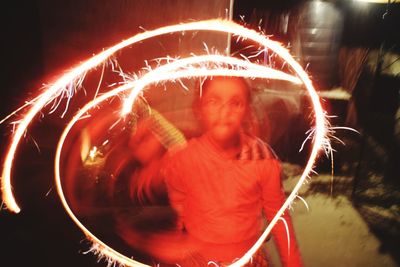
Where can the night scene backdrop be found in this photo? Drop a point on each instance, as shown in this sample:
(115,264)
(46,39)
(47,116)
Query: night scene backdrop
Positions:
(351,50)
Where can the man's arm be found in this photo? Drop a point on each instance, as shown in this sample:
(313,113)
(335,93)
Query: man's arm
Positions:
(176,188)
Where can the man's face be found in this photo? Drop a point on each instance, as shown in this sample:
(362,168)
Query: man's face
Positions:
(223,107)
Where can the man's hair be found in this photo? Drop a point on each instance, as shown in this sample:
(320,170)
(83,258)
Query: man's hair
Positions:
(251,124)
(203,84)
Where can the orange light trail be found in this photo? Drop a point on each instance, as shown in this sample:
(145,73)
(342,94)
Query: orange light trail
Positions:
(157,76)
(56,89)
(170,72)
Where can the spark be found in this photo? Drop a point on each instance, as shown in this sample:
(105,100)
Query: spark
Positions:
(36,145)
(100,81)
(154,75)
(176,69)
(114,124)
(48,192)
(304,201)
(287,232)
(330,135)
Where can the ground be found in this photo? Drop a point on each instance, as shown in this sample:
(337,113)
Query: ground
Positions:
(332,232)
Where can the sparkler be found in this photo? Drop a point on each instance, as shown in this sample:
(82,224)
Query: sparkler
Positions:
(175,70)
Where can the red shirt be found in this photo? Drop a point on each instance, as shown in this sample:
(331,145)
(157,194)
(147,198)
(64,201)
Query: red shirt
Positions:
(220,200)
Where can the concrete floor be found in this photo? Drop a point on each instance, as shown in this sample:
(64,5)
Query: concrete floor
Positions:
(332,233)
